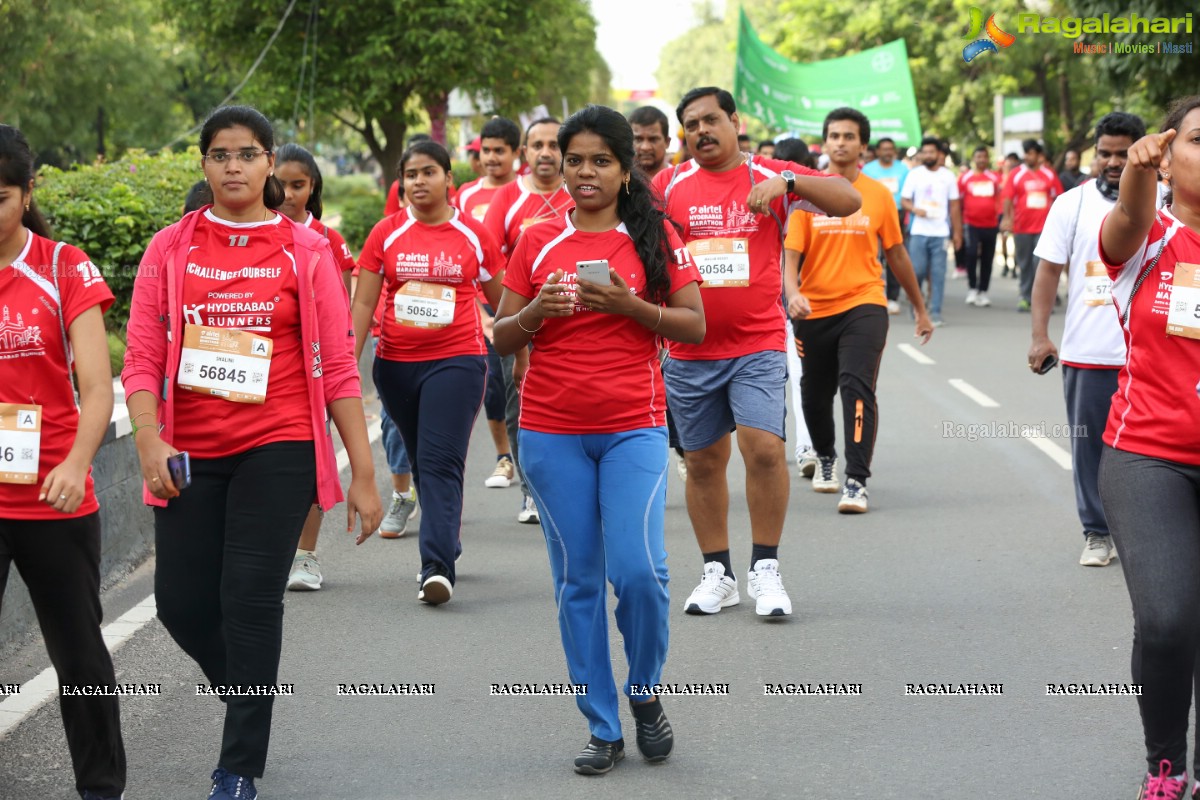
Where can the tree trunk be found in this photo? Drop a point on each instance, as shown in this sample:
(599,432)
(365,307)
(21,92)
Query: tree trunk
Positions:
(437,104)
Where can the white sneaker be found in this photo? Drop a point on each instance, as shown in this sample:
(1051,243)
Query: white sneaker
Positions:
(893,306)
(502,475)
(716,591)
(972,296)
(981,300)
(528,515)
(1098,551)
(854,498)
(766,587)
(306,574)
(824,477)
(807,462)
(436,590)
(681,467)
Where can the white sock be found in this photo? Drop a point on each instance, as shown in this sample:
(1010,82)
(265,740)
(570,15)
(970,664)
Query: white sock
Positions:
(403,495)
(302,552)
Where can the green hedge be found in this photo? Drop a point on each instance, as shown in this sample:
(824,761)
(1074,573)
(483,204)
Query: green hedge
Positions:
(111,211)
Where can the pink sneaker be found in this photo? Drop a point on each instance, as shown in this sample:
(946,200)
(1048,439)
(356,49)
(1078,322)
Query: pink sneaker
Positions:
(1163,786)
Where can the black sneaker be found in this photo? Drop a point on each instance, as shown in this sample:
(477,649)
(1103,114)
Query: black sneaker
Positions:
(655,739)
(599,756)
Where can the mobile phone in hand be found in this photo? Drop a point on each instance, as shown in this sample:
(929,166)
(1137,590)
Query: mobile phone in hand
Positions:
(593,271)
(1048,363)
(180,467)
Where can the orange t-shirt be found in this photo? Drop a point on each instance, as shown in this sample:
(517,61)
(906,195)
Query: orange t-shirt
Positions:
(841,266)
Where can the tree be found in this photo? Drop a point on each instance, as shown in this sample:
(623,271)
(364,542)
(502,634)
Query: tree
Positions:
(376,57)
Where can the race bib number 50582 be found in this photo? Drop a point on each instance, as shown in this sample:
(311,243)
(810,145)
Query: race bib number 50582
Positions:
(20,442)
(225,362)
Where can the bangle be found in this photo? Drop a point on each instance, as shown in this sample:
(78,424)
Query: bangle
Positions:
(522,327)
(135,427)
(144,413)
(659,319)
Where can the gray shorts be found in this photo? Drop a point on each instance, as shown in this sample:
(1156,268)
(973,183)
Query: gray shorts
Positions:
(708,399)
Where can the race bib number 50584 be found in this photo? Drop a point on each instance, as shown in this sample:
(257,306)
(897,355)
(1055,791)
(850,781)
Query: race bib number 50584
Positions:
(225,362)
(722,262)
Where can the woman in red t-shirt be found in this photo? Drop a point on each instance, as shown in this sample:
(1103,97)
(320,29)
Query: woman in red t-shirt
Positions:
(238,354)
(49,517)
(430,367)
(593,436)
(1150,468)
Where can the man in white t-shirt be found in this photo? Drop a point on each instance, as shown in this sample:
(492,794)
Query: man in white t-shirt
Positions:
(1093,346)
(930,194)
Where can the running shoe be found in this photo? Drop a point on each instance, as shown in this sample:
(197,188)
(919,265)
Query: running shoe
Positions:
(599,756)
(227,786)
(893,307)
(681,468)
(403,511)
(528,515)
(1098,551)
(655,739)
(716,591)
(938,322)
(1023,306)
(972,296)
(502,475)
(766,587)
(1163,786)
(435,590)
(854,498)
(981,300)
(807,462)
(824,479)
(306,574)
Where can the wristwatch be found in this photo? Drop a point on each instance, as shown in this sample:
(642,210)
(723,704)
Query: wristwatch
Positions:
(790,177)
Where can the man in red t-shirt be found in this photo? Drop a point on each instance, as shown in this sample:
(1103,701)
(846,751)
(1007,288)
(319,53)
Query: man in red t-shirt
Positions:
(979,189)
(498,145)
(731,206)
(1028,192)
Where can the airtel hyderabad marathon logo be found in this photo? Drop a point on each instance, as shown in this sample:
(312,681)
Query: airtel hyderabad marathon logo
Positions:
(994,37)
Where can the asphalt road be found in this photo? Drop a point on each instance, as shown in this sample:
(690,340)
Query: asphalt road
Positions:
(964,571)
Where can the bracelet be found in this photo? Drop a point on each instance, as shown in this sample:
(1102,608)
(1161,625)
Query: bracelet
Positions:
(144,413)
(135,427)
(522,327)
(659,319)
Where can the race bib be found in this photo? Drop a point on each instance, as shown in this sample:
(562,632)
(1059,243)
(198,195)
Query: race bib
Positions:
(20,442)
(1035,200)
(722,263)
(892,184)
(425,305)
(933,209)
(1097,287)
(225,362)
(982,189)
(480,211)
(1184,317)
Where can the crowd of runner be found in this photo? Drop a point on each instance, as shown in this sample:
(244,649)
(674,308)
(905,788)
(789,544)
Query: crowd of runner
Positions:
(711,276)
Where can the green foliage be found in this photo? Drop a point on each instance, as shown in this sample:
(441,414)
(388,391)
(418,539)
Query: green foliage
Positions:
(463,174)
(359,215)
(116,353)
(112,210)
(339,187)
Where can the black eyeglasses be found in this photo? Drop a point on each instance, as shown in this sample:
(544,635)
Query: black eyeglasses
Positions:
(246,156)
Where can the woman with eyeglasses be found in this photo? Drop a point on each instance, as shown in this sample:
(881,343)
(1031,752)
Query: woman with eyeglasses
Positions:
(594,292)
(238,352)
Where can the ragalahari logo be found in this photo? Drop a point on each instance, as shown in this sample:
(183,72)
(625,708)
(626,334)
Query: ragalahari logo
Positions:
(995,36)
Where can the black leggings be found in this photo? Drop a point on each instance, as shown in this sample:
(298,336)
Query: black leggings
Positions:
(59,560)
(980,251)
(224,549)
(1153,511)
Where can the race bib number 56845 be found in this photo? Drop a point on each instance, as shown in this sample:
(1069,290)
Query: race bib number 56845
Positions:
(20,442)
(225,362)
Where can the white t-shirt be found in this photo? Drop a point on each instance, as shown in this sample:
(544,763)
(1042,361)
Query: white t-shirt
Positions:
(931,190)
(1092,332)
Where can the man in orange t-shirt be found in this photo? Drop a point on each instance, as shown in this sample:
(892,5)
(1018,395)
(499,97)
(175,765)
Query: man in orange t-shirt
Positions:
(841,320)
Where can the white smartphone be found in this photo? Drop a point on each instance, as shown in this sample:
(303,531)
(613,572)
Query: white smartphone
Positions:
(593,271)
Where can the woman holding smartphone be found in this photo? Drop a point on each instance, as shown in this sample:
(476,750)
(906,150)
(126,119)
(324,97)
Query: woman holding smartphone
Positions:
(431,362)
(237,353)
(49,517)
(593,434)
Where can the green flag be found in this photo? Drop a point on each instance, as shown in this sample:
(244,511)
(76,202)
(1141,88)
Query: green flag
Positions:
(791,96)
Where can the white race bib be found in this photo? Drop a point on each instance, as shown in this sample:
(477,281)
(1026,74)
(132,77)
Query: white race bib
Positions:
(722,263)
(20,442)
(933,209)
(1097,287)
(1036,200)
(425,305)
(891,184)
(1184,317)
(982,189)
(225,362)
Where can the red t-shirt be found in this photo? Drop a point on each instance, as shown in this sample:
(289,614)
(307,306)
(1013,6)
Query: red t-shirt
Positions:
(1156,410)
(1032,192)
(243,276)
(341,253)
(743,283)
(590,372)
(435,317)
(514,208)
(33,369)
(980,193)
(474,199)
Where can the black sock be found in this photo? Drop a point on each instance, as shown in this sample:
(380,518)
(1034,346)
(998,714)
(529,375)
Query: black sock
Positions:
(504,455)
(723,557)
(858,478)
(679,451)
(761,551)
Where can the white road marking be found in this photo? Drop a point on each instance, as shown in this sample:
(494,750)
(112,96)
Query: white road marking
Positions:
(915,354)
(1060,456)
(973,393)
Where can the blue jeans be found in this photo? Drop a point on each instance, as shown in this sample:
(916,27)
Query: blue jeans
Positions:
(928,254)
(601,497)
(393,444)
(1089,396)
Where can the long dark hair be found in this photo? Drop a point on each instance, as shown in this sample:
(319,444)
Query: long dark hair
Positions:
(642,213)
(1175,114)
(227,117)
(16,169)
(294,152)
